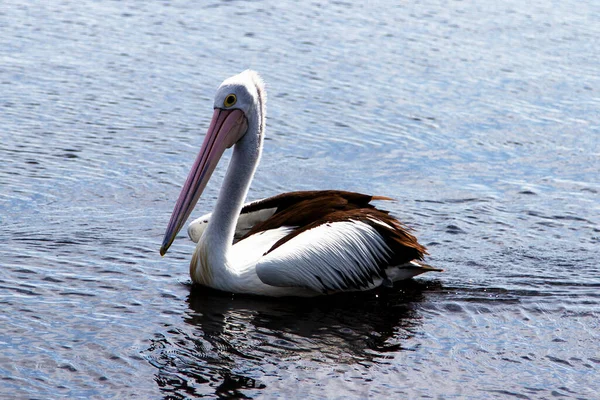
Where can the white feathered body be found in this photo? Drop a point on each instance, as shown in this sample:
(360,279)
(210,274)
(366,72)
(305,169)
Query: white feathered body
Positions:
(329,258)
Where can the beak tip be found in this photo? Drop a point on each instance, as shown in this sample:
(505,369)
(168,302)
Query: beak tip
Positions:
(163,250)
(167,242)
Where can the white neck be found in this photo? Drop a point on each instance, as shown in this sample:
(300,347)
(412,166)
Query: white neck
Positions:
(218,237)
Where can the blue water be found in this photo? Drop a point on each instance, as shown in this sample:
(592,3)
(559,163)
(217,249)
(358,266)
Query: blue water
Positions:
(479,118)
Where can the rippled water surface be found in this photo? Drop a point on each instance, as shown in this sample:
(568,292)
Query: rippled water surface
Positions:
(480,118)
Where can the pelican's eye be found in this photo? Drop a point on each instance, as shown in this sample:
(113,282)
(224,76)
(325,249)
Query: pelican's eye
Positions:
(230,100)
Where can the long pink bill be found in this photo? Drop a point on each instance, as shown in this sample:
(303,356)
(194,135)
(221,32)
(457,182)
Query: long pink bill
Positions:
(226,128)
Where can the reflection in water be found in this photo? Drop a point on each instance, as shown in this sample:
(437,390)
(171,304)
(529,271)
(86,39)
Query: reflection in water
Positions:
(232,342)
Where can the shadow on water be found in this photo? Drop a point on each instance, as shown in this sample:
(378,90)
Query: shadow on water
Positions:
(231,345)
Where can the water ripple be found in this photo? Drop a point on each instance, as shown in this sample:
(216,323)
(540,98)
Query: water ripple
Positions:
(479,119)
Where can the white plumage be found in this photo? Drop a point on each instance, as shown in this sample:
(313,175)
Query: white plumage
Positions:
(328,258)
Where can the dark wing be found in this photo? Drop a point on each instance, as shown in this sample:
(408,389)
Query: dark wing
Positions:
(299,209)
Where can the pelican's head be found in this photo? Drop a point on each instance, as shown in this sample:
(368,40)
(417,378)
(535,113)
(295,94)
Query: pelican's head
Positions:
(244,91)
(239,104)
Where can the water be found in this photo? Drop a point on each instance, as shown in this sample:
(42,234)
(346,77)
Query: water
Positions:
(480,118)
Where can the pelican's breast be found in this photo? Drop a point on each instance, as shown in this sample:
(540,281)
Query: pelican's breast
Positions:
(200,269)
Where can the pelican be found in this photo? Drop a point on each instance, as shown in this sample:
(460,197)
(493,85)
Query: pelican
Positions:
(294,244)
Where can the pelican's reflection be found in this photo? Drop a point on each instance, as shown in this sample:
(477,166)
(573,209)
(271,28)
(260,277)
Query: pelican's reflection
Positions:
(231,342)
